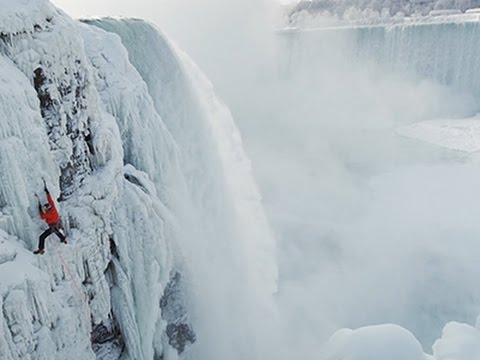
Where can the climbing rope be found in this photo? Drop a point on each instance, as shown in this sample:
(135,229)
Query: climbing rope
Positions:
(77,288)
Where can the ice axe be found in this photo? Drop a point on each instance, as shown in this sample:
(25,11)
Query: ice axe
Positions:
(44,185)
(39,202)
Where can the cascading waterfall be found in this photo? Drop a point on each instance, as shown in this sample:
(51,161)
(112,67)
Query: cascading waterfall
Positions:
(447,53)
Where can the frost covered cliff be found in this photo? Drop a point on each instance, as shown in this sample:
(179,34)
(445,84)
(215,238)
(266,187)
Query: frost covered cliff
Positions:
(162,215)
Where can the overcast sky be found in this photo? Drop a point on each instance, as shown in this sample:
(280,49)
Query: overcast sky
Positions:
(84,8)
(148,9)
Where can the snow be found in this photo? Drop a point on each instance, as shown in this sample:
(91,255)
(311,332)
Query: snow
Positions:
(141,188)
(24,15)
(459,342)
(29,309)
(160,185)
(455,134)
(206,181)
(146,262)
(322,23)
(444,12)
(34,321)
(79,275)
(373,343)
(318,14)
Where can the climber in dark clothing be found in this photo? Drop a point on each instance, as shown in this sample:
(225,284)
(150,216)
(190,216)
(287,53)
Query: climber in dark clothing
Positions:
(49,213)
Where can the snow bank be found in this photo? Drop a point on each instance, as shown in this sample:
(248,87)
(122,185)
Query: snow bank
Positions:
(25,15)
(459,342)
(455,134)
(373,343)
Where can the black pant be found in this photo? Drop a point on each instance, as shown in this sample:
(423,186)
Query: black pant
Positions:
(51,229)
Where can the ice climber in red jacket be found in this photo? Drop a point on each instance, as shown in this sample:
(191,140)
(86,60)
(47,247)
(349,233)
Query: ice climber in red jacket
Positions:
(49,213)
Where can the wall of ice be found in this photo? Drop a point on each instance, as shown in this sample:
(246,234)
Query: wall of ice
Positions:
(228,248)
(48,112)
(445,52)
(167,236)
(168,241)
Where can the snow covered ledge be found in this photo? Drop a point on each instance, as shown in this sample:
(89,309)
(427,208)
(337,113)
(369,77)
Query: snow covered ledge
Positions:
(458,342)
(34,321)
(392,342)
(19,16)
(379,342)
(455,134)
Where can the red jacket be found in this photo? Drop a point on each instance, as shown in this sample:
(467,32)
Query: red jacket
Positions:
(50,216)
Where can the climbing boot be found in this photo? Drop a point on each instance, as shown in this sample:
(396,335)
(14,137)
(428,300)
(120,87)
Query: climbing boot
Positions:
(39,251)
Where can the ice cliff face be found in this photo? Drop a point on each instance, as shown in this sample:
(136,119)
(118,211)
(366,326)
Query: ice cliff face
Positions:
(153,186)
(445,51)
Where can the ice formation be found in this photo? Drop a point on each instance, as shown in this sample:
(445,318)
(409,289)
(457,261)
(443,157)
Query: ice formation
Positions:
(318,12)
(148,202)
(170,255)
(373,343)
(456,134)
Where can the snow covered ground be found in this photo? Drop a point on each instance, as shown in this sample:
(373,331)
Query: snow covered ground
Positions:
(457,134)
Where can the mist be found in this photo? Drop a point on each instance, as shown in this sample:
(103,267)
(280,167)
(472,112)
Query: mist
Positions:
(371,227)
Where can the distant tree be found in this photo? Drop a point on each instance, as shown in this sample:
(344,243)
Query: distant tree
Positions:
(351,8)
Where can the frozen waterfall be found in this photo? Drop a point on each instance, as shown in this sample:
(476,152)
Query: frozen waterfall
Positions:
(167,236)
(359,241)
